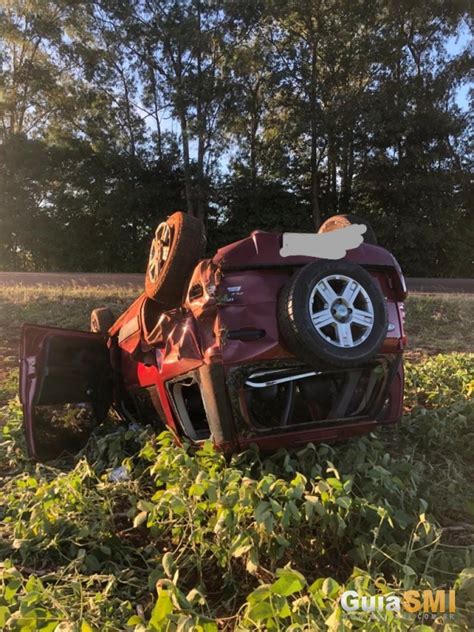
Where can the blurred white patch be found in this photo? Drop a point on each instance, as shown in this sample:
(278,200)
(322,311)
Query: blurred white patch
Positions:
(119,474)
(333,245)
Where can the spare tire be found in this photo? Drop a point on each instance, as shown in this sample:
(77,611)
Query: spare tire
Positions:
(178,245)
(332,313)
(341,221)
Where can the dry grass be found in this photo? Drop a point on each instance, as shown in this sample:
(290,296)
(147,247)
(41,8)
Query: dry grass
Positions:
(440,323)
(68,306)
(63,306)
(436,323)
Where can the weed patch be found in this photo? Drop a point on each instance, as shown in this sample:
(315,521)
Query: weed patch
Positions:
(185,540)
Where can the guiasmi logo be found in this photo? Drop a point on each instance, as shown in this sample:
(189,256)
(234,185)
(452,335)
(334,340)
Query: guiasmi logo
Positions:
(424,603)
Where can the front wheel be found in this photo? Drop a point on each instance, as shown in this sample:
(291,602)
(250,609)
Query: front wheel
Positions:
(178,245)
(332,313)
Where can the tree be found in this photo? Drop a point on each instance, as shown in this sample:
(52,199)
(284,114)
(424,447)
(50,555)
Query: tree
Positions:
(412,180)
(271,114)
(179,47)
(326,52)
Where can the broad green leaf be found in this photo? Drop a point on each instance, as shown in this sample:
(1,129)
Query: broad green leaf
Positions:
(11,589)
(334,483)
(92,562)
(344,502)
(333,622)
(262,510)
(260,611)
(161,610)
(465,582)
(284,611)
(262,593)
(330,587)
(4,615)
(288,582)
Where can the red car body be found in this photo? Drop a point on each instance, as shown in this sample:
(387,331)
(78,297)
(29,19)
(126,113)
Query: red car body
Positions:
(217,367)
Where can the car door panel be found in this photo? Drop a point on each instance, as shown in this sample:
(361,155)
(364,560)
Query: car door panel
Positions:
(61,367)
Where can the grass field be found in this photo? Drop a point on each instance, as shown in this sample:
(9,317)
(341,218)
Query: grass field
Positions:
(183,540)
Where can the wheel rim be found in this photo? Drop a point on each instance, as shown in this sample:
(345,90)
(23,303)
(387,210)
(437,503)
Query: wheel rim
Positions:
(341,311)
(159,251)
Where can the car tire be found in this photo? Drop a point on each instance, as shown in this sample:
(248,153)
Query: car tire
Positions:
(341,221)
(177,246)
(102,319)
(332,313)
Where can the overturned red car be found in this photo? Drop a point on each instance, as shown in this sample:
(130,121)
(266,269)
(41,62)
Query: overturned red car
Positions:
(250,346)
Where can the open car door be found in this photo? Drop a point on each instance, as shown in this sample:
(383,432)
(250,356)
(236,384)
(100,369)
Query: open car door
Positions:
(66,388)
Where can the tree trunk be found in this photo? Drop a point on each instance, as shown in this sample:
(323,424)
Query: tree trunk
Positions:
(201,196)
(156,112)
(201,125)
(181,111)
(347,173)
(350,174)
(128,109)
(187,168)
(334,192)
(316,211)
(253,153)
(201,122)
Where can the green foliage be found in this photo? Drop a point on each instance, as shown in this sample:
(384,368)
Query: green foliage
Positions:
(440,380)
(105,209)
(185,540)
(8,385)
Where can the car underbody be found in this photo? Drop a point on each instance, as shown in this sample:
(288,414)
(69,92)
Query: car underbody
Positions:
(254,348)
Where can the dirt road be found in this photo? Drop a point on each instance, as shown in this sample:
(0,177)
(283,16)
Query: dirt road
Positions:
(136,280)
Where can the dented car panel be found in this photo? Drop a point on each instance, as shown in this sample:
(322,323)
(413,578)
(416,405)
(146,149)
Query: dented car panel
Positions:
(217,366)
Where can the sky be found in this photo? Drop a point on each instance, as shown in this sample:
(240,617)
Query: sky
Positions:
(454,46)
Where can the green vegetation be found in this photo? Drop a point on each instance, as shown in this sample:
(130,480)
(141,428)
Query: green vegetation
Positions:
(271,115)
(139,534)
(183,539)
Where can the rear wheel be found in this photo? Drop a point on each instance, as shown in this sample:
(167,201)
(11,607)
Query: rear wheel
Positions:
(102,319)
(341,221)
(178,245)
(332,313)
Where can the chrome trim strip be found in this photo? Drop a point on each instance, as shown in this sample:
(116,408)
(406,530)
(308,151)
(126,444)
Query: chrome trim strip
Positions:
(281,380)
